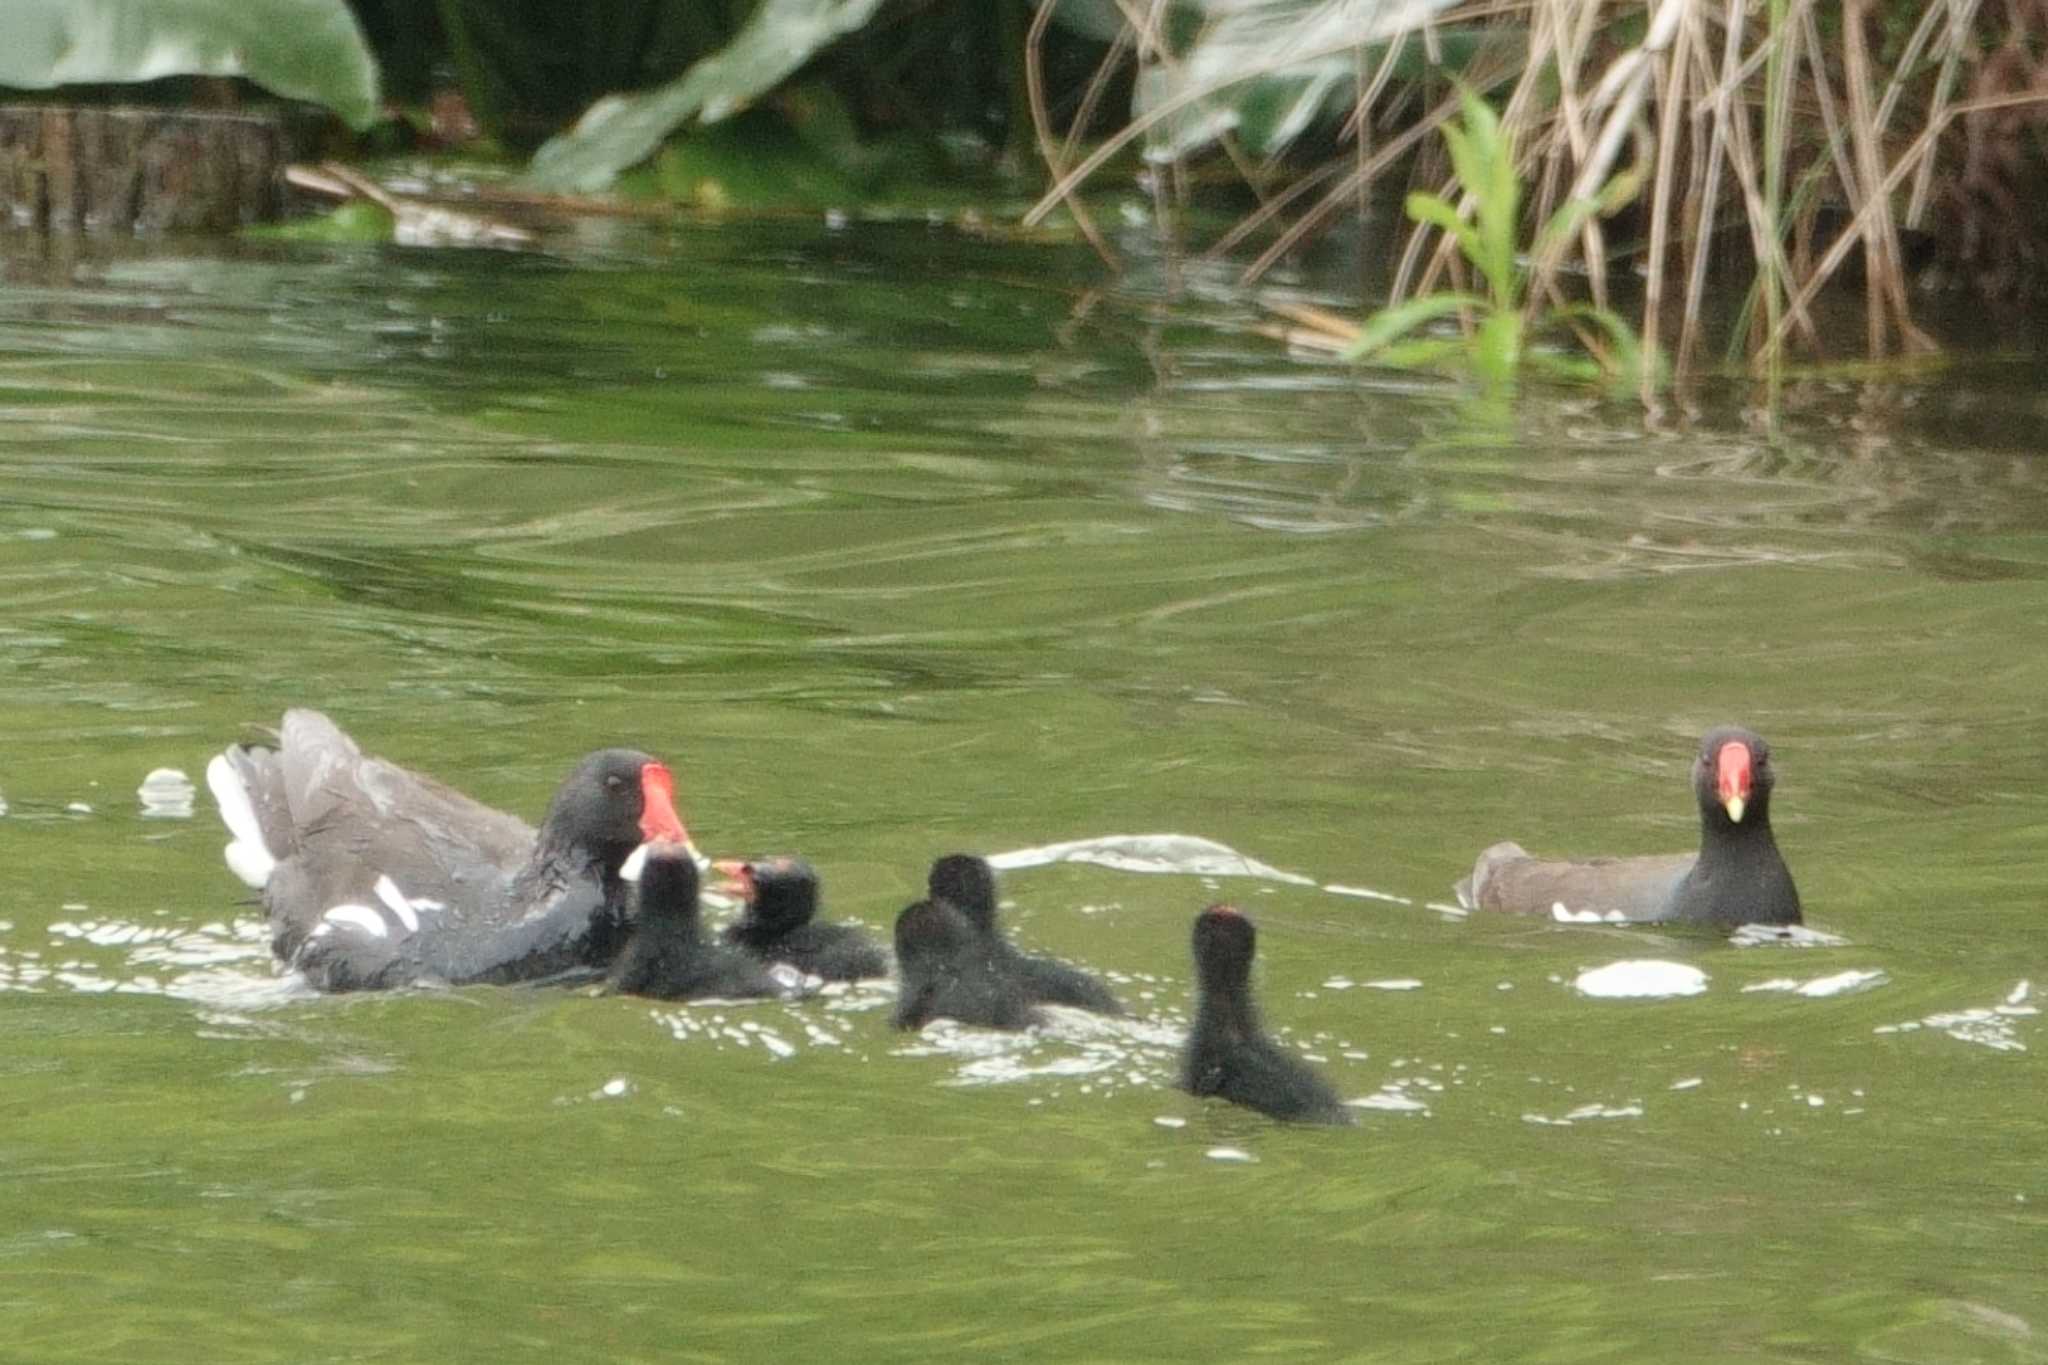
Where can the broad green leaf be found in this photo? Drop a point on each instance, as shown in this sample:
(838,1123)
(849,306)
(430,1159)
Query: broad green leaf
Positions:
(1487,171)
(301,49)
(624,130)
(1497,347)
(1576,368)
(1436,211)
(1424,353)
(1471,163)
(1402,318)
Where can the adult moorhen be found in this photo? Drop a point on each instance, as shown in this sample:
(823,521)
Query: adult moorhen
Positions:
(1737,877)
(374,876)
(944,970)
(1228,1053)
(781,899)
(968,884)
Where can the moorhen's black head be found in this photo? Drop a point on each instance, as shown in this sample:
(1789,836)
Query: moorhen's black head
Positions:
(1732,777)
(780,893)
(616,800)
(931,932)
(667,885)
(1224,941)
(968,884)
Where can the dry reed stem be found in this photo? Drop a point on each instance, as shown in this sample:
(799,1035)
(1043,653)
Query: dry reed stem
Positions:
(1838,251)
(1961,14)
(1278,204)
(1041,127)
(1884,276)
(1670,80)
(1396,147)
(1065,185)
(1790,122)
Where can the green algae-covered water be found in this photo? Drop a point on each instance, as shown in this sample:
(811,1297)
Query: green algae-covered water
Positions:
(893,543)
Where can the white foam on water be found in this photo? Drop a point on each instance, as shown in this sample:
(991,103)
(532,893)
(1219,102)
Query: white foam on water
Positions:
(1992,1026)
(1784,936)
(1184,854)
(1641,979)
(1840,983)
(1366,893)
(1586,1113)
(1105,1055)
(166,794)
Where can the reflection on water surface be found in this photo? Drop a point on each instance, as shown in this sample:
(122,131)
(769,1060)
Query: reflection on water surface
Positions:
(891,546)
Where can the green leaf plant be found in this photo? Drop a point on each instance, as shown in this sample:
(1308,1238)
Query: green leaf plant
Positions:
(1495,327)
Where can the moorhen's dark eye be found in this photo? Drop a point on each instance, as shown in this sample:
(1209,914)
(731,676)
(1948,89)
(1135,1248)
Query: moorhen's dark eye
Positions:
(614,782)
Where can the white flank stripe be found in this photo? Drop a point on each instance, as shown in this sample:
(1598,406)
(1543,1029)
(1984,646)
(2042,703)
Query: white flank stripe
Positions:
(388,892)
(361,917)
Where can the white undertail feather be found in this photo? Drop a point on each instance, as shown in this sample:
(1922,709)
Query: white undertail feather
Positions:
(248,857)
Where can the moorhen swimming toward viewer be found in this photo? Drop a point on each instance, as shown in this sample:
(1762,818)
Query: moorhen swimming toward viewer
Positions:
(780,923)
(1737,877)
(968,884)
(1228,1053)
(374,876)
(944,970)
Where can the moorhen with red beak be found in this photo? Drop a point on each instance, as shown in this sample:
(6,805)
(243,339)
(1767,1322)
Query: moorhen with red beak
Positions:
(374,876)
(1737,877)
(1228,1053)
(780,924)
